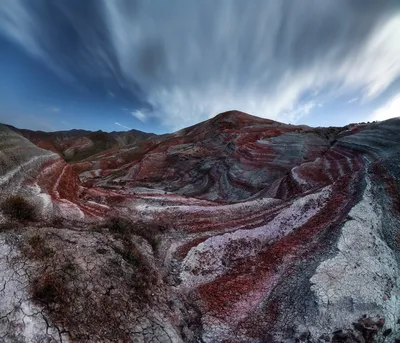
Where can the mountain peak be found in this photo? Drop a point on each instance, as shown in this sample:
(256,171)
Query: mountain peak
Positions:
(234,115)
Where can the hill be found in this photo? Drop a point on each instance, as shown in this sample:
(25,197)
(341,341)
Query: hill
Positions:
(237,229)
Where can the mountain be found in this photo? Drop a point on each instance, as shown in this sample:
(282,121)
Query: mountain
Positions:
(237,229)
(75,145)
(232,157)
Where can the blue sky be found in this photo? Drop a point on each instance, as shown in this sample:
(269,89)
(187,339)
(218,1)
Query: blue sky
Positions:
(159,66)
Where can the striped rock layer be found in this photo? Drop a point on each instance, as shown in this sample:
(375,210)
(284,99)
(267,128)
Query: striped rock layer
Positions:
(258,231)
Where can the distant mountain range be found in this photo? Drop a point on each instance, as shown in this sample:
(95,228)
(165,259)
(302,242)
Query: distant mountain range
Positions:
(75,145)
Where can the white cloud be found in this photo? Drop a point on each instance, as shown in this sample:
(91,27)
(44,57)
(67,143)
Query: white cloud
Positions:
(389,110)
(201,77)
(55,109)
(20,25)
(300,111)
(189,62)
(139,114)
(377,63)
(123,126)
(352,100)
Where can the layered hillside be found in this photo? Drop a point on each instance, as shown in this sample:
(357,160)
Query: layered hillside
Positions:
(231,157)
(238,229)
(76,145)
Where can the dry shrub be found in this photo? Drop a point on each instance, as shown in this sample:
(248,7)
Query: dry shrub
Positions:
(124,228)
(57,222)
(149,232)
(96,315)
(9,225)
(52,288)
(143,276)
(96,228)
(18,208)
(37,248)
(49,289)
(119,226)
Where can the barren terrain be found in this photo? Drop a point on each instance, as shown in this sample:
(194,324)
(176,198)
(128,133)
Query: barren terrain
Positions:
(237,229)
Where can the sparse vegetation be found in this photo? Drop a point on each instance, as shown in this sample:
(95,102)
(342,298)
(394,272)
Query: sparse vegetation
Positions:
(95,314)
(367,328)
(57,222)
(123,228)
(49,289)
(119,226)
(129,256)
(18,208)
(143,275)
(36,248)
(52,290)
(9,225)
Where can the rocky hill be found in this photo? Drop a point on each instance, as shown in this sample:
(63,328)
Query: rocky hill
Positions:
(237,229)
(76,145)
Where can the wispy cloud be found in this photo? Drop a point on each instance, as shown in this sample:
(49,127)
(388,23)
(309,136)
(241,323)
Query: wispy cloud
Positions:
(257,61)
(352,100)
(389,110)
(67,125)
(123,126)
(139,114)
(263,57)
(300,111)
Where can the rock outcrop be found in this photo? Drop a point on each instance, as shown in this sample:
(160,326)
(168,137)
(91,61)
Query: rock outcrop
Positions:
(238,229)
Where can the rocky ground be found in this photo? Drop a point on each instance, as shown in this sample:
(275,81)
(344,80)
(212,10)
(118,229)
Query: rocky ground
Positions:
(238,229)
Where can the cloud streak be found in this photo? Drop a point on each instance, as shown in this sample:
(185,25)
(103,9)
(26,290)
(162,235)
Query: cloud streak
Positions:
(186,62)
(389,110)
(123,126)
(139,115)
(352,100)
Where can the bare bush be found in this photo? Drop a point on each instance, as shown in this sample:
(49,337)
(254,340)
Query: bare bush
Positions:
(9,225)
(18,208)
(123,228)
(36,248)
(49,289)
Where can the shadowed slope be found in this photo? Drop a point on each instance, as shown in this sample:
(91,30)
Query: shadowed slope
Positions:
(76,145)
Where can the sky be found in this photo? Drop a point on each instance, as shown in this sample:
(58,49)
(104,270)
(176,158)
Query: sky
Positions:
(159,66)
